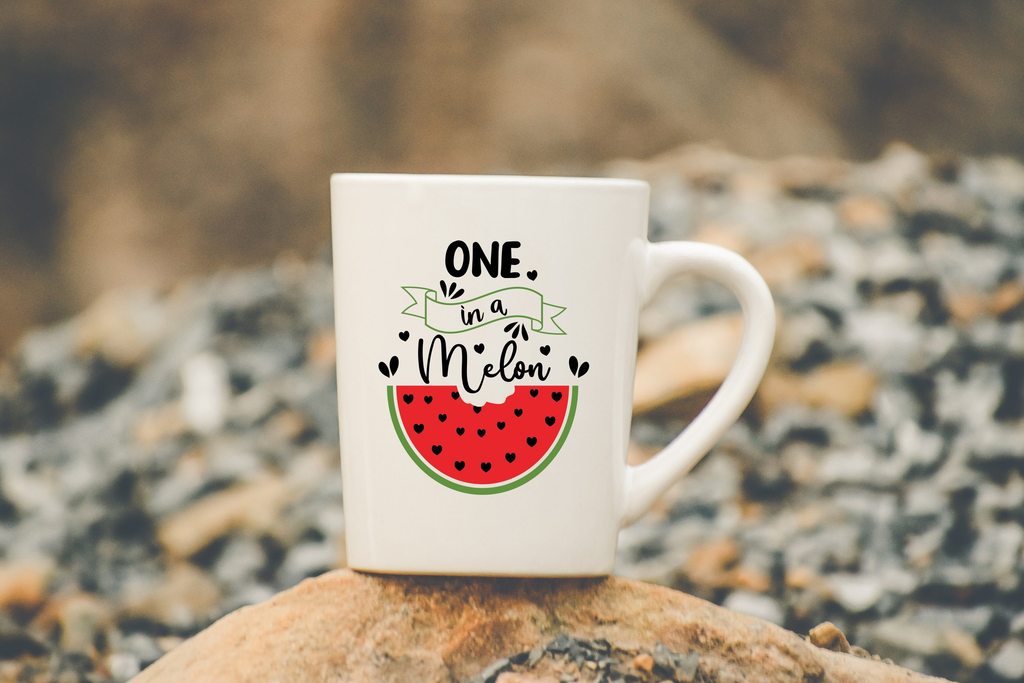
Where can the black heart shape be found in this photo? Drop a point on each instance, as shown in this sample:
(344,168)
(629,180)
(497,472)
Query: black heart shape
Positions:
(549,421)
(510,457)
(485,466)
(531,441)
(455,394)
(532,274)
(459,464)
(477,409)
(404,336)
(533,393)
(418,428)
(501,425)
(437,450)
(427,399)
(460,430)
(481,432)
(556,396)
(479,348)
(545,349)
(442,417)
(407,398)
(518,412)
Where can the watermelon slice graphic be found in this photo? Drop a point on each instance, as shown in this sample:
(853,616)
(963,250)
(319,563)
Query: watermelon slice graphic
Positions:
(486,449)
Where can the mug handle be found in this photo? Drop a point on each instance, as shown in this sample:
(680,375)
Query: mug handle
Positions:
(644,483)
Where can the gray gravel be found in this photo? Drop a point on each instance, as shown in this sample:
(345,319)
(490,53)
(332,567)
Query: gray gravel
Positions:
(902,523)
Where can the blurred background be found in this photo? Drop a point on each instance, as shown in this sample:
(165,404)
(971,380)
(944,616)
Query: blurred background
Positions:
(142,142)
(171,452)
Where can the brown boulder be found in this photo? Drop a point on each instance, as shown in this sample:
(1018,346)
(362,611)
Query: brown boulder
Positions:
(347,626)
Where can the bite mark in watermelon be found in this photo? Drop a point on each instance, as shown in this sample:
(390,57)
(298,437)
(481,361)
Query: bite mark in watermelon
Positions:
(482,449)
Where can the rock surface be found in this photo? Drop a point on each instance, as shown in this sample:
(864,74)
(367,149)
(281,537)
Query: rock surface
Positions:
(357,627)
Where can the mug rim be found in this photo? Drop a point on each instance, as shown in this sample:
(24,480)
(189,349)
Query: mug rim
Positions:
(491,179)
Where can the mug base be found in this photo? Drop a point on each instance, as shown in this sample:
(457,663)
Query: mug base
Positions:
(489,574)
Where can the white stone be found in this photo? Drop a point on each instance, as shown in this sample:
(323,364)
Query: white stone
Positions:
(1008,660)
(755,605)
(856,592)
(206,392)
(123,666)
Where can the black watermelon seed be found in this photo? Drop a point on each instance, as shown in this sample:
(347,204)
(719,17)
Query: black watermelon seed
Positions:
(501,425)
(455,394)
(518,412)
(437,449)
(533,393)
(485,466)
(477,409)
(442,417)
(510,457)
(481,432)
(428,399)
(549,421)
(407,398)
(531,441)
(417,428)
(460,430)
(556,396)
(459,464)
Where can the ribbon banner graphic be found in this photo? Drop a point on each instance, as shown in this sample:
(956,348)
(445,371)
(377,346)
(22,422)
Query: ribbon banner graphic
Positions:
(459,316)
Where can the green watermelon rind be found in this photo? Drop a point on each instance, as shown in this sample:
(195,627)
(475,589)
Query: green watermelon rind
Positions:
(483,490)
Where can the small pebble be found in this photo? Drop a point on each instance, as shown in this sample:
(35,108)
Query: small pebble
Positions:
(644,662)
(829,637)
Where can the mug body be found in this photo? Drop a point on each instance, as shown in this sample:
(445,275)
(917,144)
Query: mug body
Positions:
(486,334)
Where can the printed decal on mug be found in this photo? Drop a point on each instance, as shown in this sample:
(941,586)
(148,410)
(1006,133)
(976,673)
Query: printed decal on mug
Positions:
(483,447)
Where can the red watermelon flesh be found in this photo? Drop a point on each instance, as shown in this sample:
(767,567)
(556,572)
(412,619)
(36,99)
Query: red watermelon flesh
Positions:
(483,447)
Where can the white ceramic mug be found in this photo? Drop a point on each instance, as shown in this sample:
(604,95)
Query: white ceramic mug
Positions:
(487,333)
